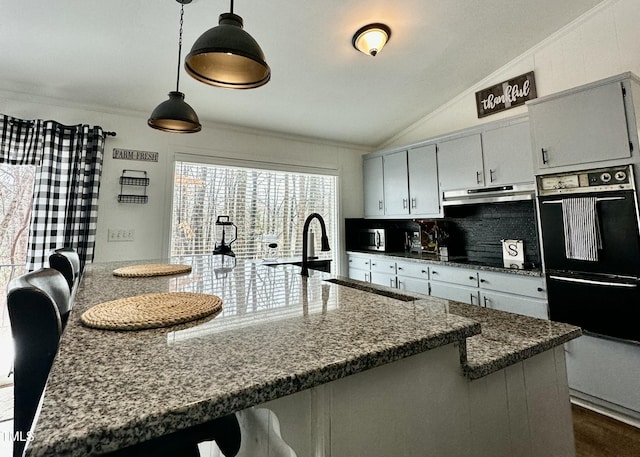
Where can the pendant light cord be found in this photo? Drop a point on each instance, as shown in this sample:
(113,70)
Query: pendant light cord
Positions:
(180,47)
(231,7)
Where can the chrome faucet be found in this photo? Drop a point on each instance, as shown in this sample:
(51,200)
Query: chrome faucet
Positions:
(305,241)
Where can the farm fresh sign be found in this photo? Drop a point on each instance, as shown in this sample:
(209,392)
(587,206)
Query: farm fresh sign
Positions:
(506,95)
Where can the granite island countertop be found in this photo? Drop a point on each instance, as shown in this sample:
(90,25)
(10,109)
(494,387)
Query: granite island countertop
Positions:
(278,334)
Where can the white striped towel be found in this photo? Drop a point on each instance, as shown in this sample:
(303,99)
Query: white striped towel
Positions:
(581,229)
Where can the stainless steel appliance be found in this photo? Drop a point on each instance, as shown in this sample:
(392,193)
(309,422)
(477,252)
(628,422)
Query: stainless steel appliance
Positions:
(372,239)
(591,249)
(508,193)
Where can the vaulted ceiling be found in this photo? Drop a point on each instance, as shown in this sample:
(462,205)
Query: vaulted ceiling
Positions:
(122,55)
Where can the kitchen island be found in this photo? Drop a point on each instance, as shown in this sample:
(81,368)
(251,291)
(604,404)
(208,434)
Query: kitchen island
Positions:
(348,369)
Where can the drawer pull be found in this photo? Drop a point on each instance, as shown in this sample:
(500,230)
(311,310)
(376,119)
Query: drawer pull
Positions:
(545,157)
(373,264)
(540,289)
(424,271)
(472,278)
(433,272)
(399,268)
(483,280)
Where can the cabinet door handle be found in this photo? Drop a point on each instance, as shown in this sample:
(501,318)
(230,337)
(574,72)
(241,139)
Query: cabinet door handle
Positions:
(471,296)
(423,271)
(434,272)
(399,268)
(545,158)
(373,264)
(491,172)
(478,177)
(404,203)
(486,300)
(414,203)
(540,289)
(379,204)
(471,278)
(367,278)
(483,280)
(391,282)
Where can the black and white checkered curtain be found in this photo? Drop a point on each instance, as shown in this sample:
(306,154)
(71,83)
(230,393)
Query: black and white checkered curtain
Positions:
(20,141)
(67,182)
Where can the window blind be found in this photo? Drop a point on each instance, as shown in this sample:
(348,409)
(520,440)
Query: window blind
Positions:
(265,205)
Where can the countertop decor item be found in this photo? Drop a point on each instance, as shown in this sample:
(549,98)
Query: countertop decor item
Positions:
(152,269)
(227,56)
(175,115)
(151,311)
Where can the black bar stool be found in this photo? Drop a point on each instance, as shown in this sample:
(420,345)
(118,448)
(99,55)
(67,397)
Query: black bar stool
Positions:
(38,304)
(67,262)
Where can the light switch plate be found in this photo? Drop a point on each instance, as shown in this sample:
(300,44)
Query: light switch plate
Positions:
(116,235)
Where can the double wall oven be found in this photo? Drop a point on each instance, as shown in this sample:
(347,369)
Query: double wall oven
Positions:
(591,248)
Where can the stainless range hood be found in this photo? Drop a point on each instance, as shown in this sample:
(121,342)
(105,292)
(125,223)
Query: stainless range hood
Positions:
(509,193)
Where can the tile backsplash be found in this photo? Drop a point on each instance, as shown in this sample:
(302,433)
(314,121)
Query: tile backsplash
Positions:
(478,229)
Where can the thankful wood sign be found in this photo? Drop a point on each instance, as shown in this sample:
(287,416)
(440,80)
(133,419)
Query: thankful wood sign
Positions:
(505,95)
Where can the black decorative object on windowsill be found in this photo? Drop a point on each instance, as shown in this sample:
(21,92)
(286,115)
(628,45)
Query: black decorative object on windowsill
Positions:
(224,259)
(137,178)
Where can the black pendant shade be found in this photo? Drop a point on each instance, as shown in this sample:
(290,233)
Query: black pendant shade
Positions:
(227,56)
(175,115)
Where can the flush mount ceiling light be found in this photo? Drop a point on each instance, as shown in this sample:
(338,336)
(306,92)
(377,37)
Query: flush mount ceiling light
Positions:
(371,38)
(227,56)
(175,115)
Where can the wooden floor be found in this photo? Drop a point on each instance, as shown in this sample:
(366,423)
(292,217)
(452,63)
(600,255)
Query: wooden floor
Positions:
(600,436)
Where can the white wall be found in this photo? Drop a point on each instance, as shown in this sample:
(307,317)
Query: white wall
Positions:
(603,42)
(149,221)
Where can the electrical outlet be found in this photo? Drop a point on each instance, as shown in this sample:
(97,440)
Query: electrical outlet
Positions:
(116,235)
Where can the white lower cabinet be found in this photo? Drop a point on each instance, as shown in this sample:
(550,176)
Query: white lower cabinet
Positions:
(514,293)
(518,304)
(383,279)
(454,292)
(454,275)
(518,294)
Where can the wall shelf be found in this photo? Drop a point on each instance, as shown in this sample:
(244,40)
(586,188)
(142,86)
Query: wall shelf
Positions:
(133,178)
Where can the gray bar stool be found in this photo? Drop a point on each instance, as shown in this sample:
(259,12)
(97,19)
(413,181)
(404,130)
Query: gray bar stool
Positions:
(38,304)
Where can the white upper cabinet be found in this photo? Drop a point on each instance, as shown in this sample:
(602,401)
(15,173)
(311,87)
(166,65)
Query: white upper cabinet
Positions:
(423,181)
(402,183)
(507,155)
(373,186)
(582,126)
(460,163)
(396,185)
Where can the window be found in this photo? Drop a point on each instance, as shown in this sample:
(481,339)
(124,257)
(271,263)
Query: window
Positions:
(265,205)
(16,198)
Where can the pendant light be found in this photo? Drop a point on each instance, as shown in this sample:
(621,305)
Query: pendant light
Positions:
(227,56)
(371,38)
(175,115)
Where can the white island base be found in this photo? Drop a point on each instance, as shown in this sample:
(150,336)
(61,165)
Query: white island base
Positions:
(420,406)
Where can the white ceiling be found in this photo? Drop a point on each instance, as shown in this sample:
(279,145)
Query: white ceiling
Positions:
(122,55)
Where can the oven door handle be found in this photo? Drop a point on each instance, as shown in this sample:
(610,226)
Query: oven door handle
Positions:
(593,282)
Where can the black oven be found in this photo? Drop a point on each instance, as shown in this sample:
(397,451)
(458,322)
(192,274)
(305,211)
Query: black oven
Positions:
(591,249)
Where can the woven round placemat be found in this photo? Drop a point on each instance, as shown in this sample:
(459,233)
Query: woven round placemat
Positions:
(151,269)
(151,311)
